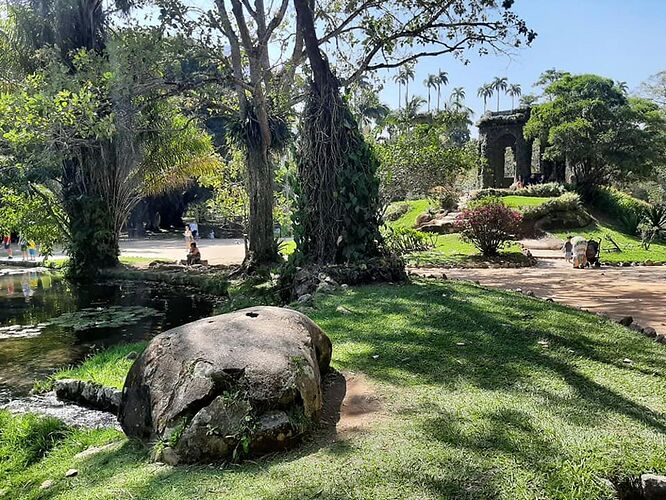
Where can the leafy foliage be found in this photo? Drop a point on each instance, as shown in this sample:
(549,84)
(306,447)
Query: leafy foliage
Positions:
(622,207)
(403,240)
(568,202)
(653,225)
(605,135)
(420,159)
(489,226)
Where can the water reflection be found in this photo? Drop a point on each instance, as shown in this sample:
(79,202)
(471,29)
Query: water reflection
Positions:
(32,298)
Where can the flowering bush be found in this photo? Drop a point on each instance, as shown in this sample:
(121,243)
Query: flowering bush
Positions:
(488,226)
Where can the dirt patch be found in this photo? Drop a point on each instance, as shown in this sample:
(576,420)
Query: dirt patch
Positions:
(350,404)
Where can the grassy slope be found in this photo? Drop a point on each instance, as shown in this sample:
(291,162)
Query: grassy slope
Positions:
(450,248)
(503,416)
(632,251)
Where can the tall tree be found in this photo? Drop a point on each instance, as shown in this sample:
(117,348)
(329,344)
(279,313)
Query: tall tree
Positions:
(338,217)
(485,91)
(408,75)
(442,80)
(604,135)
(399,79)
(431,82)
(499,85)
(514,90)
(361,37)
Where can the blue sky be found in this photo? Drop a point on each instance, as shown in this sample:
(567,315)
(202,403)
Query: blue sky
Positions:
(621,39)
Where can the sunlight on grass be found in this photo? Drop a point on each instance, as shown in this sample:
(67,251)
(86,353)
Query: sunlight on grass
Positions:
(484,394)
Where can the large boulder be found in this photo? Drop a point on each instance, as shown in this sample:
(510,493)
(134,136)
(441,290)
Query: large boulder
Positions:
(248,382)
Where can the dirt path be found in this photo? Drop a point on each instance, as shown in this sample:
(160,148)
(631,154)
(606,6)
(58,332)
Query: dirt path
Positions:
(617,291)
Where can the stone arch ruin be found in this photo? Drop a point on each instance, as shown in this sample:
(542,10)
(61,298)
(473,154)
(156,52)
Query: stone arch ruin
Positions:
(504,129)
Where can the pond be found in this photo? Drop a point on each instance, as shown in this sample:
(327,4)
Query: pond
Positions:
(31,347)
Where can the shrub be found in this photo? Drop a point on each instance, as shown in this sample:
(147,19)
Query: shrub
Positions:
(653,225)
(485,201)
(564,203)
(447,198)
(395,211)
(488,227)
(403,240)
(626,209)
(548,190)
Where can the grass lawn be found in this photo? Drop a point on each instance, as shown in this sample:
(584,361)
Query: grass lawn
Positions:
(450,249)
(632,251)
(484,394)
(107,368)
(416,208)
(524,201)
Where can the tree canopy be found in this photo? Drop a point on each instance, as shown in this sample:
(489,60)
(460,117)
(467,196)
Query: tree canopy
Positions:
(602,134)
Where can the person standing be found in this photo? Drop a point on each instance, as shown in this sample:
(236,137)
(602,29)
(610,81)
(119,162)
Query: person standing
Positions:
(32,250)
(23,243)
(188,236)
(7,245)
(568,249)
(194,226)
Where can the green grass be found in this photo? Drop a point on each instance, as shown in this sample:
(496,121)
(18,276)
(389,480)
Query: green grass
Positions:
(408,220)
(128,261)
(537,403)
(632,251)
(450,249)
(107,368)
(524,201)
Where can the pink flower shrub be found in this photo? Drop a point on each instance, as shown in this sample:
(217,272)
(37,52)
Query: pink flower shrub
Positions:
(489,226)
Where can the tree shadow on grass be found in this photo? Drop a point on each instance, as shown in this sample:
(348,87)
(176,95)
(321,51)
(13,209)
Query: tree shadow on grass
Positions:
(507,339)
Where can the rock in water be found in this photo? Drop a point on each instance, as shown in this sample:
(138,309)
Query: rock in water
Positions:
(248,382)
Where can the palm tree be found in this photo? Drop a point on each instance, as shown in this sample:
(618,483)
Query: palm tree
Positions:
(408,75)
(431,82)
(514,91)
(485,91)
(499,84)
(442,79)
(412,108)
(624,88)
(458,95)
(399,79)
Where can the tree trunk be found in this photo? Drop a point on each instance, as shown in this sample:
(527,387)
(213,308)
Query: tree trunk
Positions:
(262,249)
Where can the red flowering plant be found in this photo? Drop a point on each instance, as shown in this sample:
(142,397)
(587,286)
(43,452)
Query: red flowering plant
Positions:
(488,226)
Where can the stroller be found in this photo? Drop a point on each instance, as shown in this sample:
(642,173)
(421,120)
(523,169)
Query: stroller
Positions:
(593,252)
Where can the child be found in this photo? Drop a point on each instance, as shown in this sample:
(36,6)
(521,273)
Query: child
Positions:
(24,248)
(32,250)
(568,249)
(7,245)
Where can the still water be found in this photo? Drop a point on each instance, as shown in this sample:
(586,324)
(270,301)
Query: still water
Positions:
(31,298)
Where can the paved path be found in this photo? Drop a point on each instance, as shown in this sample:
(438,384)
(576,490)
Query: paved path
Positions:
(617,291)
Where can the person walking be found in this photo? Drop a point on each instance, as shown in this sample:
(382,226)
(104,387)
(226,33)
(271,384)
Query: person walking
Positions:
(7,245)
(568,249)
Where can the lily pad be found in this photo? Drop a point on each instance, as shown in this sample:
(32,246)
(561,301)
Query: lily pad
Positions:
(103,317)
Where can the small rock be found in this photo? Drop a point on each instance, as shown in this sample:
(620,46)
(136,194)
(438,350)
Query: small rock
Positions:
(627,361)
(169,456)
(626,321)
(661,339)
(344,286)
(649,332)
(529,293)
(71,473)
(375,356)
(132,355)
(549,300)
(325,287)
(94,450)
(519,290)
(306,297)
(477,282)
(636,327)
(653,486)
(46,484)
(460,344)
(343,310)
